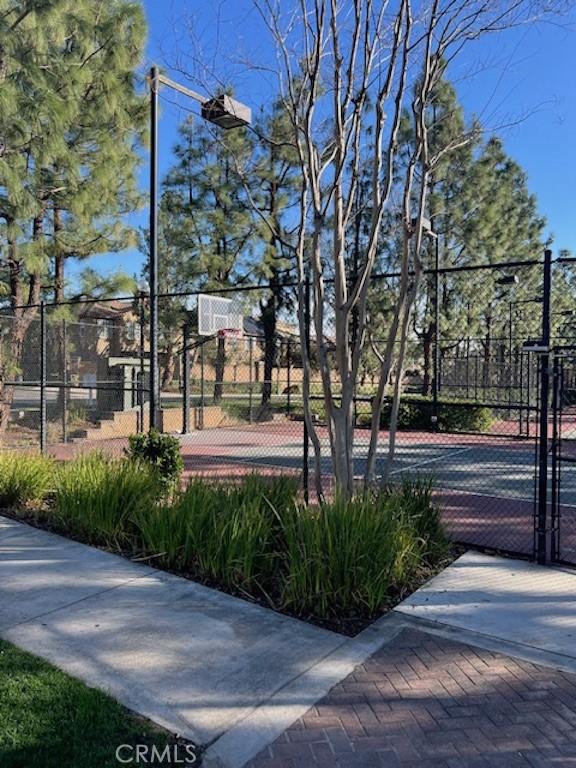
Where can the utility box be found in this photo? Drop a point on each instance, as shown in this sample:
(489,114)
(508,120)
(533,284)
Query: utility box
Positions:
(124,383)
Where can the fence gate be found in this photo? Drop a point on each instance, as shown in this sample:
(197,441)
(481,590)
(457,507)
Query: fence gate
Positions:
(563,457)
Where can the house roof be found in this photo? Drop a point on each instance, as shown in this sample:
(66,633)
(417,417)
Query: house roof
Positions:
(106,310)
(254,327)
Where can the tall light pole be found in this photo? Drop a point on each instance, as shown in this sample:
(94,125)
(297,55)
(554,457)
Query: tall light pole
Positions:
(154,399)
(224,112)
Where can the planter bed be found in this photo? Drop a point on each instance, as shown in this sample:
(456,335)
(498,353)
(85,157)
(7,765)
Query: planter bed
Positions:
(340,566)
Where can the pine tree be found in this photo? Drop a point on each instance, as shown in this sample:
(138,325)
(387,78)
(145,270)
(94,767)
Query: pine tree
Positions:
(503,226)
(275,179)
(175,275)
(213,225)
(70,122)
(448,204)
(481,212)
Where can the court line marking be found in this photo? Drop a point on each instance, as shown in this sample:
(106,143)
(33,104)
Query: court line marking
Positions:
(246,461)
(445,456)
(529,499)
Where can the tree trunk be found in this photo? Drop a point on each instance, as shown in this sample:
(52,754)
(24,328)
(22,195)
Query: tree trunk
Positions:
(427,353)
(268,314)
(24,313)
(219,369)
(58,259)
(169,367)
(11,355)
(343,447)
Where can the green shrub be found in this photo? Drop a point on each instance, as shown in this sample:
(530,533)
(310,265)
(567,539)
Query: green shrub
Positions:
(160,451)
(410,415)
(416,413)
(98,497)
(25,478)
(346,556)
(226,533)
(465,418)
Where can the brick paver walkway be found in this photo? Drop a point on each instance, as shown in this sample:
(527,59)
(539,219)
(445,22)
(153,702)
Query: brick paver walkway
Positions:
(426,702)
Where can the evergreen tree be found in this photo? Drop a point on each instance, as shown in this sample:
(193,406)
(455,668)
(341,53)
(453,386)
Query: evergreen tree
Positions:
(212,224)
(216,227)
(481,212)
(175,275)
(275,179)
(70,121)
(503,225)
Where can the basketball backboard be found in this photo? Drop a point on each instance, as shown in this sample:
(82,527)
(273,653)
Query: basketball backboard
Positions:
(216,313)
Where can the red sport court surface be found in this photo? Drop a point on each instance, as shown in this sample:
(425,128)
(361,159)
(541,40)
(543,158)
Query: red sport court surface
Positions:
(485,483)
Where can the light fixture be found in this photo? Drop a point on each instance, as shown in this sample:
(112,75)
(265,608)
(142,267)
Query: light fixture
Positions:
(426,225)
(226,112)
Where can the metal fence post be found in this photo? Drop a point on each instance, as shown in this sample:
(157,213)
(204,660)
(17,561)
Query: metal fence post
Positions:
(511,381)
(555,469)
(42,376)
(542,533)
(201,425)
(154,395)
(250,382)
(141,388)
(528,385)
(186,379)
(436,358)
(305,442)
(288,364)
(521,393)
(64,397)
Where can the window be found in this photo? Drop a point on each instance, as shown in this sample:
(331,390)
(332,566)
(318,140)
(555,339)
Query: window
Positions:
(104,328)
(132,331)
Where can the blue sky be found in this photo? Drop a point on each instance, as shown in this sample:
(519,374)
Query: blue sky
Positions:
(524,81)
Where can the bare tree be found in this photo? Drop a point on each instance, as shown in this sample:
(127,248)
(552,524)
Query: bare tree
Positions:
(348,70)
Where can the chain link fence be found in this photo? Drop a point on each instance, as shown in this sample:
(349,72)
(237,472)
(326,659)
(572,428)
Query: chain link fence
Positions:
(76,377)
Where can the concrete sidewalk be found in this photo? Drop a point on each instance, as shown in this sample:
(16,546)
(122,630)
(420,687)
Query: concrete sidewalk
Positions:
(195,660)
(235,677)
(508,601)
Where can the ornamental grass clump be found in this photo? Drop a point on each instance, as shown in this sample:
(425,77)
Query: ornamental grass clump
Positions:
(416,501)
(25,479)
(348,557)
(339,557)
(98,497)
(225,533)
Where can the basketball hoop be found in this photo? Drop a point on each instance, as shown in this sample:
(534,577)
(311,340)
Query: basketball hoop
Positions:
(220,316)
(229,333)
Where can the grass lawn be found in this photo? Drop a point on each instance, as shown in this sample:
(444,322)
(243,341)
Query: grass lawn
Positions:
(51,720)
